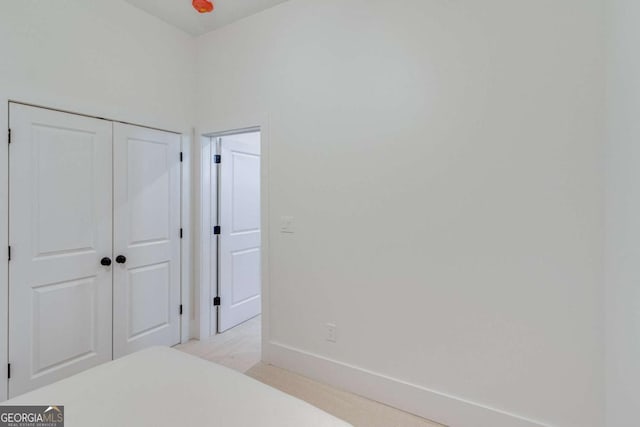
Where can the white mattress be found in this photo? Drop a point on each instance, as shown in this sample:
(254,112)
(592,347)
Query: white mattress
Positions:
(162,387)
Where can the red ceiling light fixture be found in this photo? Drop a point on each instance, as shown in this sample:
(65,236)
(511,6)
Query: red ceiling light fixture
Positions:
(202,6)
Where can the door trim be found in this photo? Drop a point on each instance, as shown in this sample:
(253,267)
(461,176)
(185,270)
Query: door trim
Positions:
(4,255)
(204,251)
(28,104)
(250,129)
(186,271)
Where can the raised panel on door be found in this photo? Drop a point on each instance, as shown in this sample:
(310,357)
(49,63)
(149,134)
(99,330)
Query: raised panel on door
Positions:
(240,242)
(60,307)
(147,234)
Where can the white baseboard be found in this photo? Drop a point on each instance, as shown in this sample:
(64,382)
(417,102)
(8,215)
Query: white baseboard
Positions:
(430,404)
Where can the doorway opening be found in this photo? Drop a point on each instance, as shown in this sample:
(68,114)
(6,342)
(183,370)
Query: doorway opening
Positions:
(231,249)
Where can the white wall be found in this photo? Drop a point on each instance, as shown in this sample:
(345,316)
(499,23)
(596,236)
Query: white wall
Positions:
(104,58)
(623,215)
(443,162)
(97,57)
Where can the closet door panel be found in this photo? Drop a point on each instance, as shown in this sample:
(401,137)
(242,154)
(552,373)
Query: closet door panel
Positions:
(60,229)
(146,238)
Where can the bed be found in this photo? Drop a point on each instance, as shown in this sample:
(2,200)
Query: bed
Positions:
(163,387)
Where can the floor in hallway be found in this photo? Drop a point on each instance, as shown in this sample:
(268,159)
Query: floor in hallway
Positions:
(238,348)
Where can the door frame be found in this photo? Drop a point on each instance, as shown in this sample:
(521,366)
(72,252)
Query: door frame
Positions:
(4,256)
(186,276)
(206,253)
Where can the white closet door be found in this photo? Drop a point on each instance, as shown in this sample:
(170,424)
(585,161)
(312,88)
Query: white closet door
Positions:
(146,289)
(240,255)
(60,229)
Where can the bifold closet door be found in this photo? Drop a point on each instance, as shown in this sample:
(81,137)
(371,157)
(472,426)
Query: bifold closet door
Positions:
(146,287)
(60,307)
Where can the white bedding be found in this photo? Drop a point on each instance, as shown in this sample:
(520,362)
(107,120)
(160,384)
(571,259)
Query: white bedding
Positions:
(162,387)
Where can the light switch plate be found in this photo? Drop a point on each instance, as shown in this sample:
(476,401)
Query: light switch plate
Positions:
(287,224)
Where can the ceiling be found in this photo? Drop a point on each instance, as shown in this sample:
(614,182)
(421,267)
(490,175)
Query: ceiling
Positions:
(181,14)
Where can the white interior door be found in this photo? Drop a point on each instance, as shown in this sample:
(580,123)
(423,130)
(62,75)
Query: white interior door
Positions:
(146,288)
(60,229)
(239,240)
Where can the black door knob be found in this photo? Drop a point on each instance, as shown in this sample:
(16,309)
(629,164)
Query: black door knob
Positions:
(106,261)
(121,259)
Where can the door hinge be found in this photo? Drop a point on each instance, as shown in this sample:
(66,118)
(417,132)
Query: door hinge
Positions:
(180,309)
(9,253)
(216,230)
(217,158)
(216,301)
(181,233)
(9,370)
(181,156)
(9,135)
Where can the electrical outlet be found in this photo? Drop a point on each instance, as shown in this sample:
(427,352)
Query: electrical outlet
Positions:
(331,332)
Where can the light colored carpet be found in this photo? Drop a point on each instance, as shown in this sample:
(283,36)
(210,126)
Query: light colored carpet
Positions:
(239,349)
